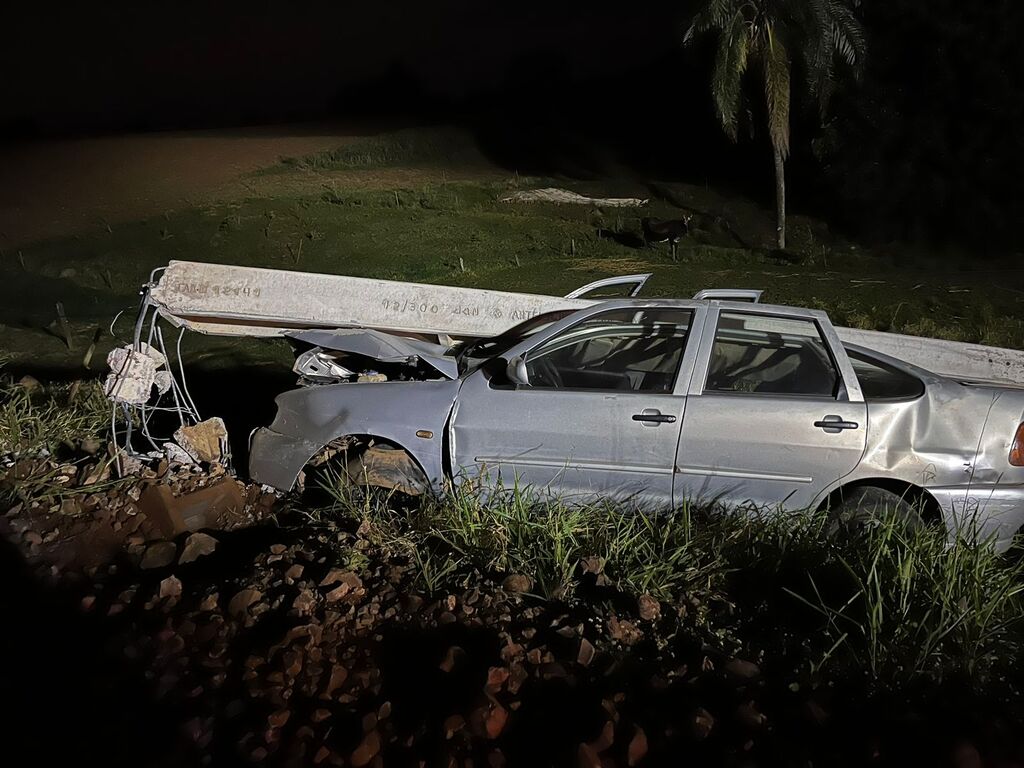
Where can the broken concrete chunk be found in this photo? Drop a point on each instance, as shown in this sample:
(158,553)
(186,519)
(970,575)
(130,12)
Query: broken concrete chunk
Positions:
(132,374)
(564,196)
(206,441)
(163,381)
(176,454)
(197,545)
(128,465)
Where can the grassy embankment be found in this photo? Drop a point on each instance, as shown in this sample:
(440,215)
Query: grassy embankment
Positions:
(425,207)
(884,606)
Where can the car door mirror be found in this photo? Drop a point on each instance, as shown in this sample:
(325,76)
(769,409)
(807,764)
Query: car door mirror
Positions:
(516,371)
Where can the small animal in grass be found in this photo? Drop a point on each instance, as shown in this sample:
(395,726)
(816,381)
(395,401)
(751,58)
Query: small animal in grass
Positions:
(669,231)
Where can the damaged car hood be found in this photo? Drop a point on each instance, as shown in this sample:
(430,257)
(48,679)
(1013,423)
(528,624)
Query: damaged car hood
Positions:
(381,346)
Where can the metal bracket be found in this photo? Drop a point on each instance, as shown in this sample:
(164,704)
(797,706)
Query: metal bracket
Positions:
(639,280)
(729,294)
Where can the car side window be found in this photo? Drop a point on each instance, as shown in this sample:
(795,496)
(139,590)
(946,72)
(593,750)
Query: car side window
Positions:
(632,350)
(770,355)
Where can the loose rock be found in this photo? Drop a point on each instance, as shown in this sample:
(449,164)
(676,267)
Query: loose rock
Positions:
(197,545)
(637,747)
(517,583)
(170,587)
(649,608)
(742,669)
(239,605)
(159,555)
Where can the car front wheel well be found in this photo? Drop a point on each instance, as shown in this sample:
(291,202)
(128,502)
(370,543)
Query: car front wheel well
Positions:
(369,460)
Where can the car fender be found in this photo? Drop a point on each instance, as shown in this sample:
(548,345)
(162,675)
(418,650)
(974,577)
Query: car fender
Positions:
(409,414)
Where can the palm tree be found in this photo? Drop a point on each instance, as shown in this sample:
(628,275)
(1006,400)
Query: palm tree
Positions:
(761,35)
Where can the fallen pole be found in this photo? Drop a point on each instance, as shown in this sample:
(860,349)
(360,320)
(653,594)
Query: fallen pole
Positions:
(251,301)
(228,300)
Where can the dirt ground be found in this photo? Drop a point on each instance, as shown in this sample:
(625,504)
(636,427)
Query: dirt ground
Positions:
(65,187)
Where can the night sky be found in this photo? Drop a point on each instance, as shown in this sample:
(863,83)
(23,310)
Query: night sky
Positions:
(110,66)
(928,147)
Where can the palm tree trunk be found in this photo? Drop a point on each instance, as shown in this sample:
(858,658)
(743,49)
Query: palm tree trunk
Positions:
(780,199)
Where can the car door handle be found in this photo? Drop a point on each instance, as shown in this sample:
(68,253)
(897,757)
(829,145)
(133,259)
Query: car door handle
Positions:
(835,424)
(652,416)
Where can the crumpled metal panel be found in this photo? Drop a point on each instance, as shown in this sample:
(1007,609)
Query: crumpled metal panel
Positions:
(953,441)
(385,347)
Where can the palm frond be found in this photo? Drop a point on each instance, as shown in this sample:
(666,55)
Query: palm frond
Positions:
(776,90)
(847,35)
(727,77)
(829,31)
(716,15)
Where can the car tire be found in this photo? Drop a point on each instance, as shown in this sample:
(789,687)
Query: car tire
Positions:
(860,506)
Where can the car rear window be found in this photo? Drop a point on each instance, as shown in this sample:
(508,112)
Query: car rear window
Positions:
(881,381)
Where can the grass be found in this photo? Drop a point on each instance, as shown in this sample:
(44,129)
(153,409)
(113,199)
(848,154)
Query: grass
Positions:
(44,433)
(886,602)
(36,421)
(921,603)
(403,148)
(459,233)
(511,532)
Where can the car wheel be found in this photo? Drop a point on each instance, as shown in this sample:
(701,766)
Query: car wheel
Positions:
(859,507)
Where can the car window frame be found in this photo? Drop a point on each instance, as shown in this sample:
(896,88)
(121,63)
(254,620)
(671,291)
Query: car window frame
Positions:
(684,373)
(922,388)
(847,390)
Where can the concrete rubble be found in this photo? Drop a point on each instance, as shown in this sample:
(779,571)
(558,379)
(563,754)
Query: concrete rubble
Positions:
(206,441)
(134,373)
(565,197)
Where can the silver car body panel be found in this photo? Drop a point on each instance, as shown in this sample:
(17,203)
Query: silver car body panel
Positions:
(764,450)
(581,445)
(953,441)
(312,417)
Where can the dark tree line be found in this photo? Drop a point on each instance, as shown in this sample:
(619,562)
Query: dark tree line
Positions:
(930,146)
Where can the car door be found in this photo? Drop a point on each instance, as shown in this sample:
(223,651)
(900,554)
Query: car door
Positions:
(774,413)
(600,417)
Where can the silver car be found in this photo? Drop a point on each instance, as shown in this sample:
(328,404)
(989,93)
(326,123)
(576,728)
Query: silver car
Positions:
(654,403)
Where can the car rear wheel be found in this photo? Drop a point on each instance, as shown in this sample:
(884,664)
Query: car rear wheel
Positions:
(860,507)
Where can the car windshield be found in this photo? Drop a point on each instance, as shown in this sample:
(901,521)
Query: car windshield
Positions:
(475,352)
